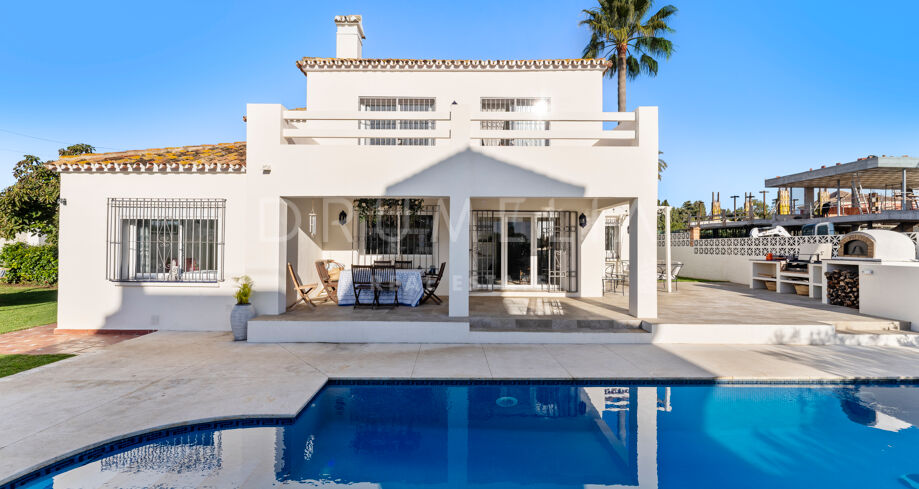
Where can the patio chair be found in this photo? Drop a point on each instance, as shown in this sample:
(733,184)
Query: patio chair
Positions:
(382,263)
(384,280)
(329,285)
(362,281)
(611,279)
(404,264)
(430,285)
(675,269)
(303,290)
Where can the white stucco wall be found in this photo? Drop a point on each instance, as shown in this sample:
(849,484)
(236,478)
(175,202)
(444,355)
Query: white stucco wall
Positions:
(265,218)
(890,291)
(456,169)
(88,300)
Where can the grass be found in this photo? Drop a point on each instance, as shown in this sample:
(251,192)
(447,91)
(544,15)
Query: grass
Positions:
(23,307)
(13,364)
(691,279)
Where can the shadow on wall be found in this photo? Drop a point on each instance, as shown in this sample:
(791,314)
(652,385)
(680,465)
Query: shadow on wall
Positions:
(204,307)
(472,173)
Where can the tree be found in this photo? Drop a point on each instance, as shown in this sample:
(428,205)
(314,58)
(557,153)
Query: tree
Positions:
(618,33)
(76,149)
(661,165)
(30,205)
(677,218)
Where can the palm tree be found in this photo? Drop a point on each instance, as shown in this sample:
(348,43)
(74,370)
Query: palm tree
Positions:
(661,164)
(619,34)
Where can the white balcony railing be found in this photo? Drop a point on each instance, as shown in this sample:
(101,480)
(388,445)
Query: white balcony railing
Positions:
(459,126)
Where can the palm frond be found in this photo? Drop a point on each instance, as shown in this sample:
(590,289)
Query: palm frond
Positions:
(648,65)
(655,46)
(633,67)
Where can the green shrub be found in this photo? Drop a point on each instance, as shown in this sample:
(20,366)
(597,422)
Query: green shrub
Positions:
(244,290)
(29,264)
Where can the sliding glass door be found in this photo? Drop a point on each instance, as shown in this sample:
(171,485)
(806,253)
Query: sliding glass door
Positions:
(523,250)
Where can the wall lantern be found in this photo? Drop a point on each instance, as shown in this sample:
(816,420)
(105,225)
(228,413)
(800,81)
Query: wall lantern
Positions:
(342,218)
(312,221)
(582,220)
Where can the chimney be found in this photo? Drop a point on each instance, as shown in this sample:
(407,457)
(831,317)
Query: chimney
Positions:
(349,36)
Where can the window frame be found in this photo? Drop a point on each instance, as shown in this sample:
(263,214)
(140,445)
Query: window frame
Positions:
(133,246)
(396,248)
(393,124)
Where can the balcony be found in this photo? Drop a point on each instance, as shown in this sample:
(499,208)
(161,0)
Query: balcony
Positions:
(461,127)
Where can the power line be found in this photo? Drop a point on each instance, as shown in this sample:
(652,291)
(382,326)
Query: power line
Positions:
(49,140)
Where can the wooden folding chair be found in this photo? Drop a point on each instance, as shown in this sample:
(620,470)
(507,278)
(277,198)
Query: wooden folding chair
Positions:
(430,286)
(329,290)
(362,281)
(303,290)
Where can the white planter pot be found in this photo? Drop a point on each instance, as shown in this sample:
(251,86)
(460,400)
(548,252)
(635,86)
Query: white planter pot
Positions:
(239,320)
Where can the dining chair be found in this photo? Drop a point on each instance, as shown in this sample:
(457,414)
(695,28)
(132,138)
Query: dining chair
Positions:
(384,280)
(362,281)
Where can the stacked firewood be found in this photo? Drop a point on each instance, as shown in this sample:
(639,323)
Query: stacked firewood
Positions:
(842,288)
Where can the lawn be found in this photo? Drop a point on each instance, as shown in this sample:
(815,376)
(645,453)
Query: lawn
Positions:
(11,364)
(23,307)
(691,279)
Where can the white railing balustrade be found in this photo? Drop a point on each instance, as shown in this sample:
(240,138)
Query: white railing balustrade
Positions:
(311,127)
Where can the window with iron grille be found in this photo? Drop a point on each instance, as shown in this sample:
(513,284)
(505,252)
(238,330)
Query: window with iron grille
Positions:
(527,104)
(612,238)
(396,104)
(165,240)
(392,234)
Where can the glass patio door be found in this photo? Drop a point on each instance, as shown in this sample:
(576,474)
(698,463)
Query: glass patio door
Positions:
(523,250)
(519,251)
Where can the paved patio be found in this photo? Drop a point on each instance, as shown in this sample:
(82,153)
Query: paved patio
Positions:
(169,378)
(693,303)
(43,340)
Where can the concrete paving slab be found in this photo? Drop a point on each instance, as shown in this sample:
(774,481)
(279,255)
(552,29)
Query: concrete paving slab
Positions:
(523,361)
(451,361)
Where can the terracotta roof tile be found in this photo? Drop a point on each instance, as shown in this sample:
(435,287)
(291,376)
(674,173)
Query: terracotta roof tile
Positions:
(223,157)
(358,64)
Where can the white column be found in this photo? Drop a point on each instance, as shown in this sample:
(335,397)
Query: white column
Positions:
(459,256)
(667,252)
(643,258)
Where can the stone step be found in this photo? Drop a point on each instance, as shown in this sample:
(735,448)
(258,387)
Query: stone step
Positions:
(540,324)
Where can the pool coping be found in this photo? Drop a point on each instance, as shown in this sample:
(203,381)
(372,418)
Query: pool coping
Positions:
(98,450)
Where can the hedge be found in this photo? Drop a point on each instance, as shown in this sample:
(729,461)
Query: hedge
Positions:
(29,264)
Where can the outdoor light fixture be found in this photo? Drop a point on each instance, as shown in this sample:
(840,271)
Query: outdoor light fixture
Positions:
(62,201)
(582,220)
(342,218)
(312,221)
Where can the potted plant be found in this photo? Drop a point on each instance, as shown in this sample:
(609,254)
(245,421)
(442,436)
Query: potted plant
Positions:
(243,311)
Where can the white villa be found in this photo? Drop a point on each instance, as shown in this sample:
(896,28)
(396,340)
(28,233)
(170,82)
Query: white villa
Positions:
(509,169)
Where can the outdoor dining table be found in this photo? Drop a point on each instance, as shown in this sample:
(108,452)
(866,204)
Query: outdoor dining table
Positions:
(411,288)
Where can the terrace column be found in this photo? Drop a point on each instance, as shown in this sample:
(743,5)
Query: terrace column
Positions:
(904,205)
(459,256)
(643,258)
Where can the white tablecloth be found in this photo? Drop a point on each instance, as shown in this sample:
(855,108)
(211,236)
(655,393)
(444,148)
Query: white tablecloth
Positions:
(410,289)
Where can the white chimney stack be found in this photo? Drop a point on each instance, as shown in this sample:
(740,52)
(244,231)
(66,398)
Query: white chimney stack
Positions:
(349,37)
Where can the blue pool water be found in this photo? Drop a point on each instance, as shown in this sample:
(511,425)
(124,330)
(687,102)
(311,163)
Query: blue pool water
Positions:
(543,436)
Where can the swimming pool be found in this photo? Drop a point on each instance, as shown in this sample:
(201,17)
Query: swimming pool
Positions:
(539,435)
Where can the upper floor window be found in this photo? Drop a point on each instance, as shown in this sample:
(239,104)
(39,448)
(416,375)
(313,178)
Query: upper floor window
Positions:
(165,240)
(396,104)
(526,104)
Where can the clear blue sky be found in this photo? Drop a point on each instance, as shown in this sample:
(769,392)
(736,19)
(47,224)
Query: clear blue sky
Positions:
(754,90)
